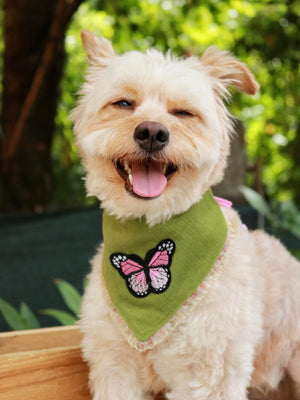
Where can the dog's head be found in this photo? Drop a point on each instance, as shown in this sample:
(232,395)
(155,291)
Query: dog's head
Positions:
(152,130)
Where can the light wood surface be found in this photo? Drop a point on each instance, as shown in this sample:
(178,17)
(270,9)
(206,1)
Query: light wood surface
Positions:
(43,364)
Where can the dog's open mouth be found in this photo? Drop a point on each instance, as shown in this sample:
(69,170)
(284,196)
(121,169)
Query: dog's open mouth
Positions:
(146,179)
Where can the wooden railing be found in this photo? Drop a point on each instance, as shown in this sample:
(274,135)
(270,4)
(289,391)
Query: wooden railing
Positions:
(42,364)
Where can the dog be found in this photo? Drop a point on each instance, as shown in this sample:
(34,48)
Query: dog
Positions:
(182,299)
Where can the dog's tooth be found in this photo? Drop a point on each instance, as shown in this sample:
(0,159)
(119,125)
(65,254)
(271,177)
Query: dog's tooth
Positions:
(164,168)
(126,167)
(130,178)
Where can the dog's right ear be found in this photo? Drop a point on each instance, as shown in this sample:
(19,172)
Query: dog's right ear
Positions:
(99,50)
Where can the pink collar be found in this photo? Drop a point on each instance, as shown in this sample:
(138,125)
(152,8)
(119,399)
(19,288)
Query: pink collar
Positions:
(223,202)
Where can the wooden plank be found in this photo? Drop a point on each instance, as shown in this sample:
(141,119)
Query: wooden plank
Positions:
(39,339)
(43,365)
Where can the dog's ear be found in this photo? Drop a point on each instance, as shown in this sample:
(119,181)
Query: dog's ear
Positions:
(98,50)
(227,70)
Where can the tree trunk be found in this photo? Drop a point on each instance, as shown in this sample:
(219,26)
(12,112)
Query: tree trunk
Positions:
(34,33)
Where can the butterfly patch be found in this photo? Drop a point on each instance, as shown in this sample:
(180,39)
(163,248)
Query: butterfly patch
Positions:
(151,275)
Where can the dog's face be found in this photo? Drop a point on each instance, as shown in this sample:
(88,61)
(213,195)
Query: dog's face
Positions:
(152,130)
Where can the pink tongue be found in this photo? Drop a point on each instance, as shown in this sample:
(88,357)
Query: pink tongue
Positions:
(147,179)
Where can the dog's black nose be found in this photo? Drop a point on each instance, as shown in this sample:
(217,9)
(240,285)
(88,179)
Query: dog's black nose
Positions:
(151,136)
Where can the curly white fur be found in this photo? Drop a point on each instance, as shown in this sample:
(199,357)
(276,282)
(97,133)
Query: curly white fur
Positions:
(243,336)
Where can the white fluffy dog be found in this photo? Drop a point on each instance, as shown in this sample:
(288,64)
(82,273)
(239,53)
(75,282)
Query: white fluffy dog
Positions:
(182,299)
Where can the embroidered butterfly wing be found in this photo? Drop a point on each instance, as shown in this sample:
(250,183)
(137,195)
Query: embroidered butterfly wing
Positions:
(150,275)
(158,266)
(132,270)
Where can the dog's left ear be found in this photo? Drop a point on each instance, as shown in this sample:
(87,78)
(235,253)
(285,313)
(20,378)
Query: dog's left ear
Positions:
(227,70)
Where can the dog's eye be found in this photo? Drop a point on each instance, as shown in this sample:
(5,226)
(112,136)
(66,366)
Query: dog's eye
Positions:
(182,113)
(124,103)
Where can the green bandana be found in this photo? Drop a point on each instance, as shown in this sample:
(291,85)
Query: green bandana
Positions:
(150,272)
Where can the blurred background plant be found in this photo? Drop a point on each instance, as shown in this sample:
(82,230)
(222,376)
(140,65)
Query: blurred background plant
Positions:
(26,319)
(282,218)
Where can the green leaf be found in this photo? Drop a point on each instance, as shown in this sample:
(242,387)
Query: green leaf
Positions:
(256,201)
(295,230)
(288,211)
(29,317)
(296,253)
(70,295)
(12,316)
(63,317)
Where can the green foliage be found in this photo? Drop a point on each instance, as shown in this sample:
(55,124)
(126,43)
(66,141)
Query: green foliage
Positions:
(25,318)
(62,317)
(29,317)
(296,254)
(263,34)
(256,201)
(18,320)
(282,217)
(273,133)
(70,295)
(72,300)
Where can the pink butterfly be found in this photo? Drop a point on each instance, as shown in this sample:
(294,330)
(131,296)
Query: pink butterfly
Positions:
(151,275)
